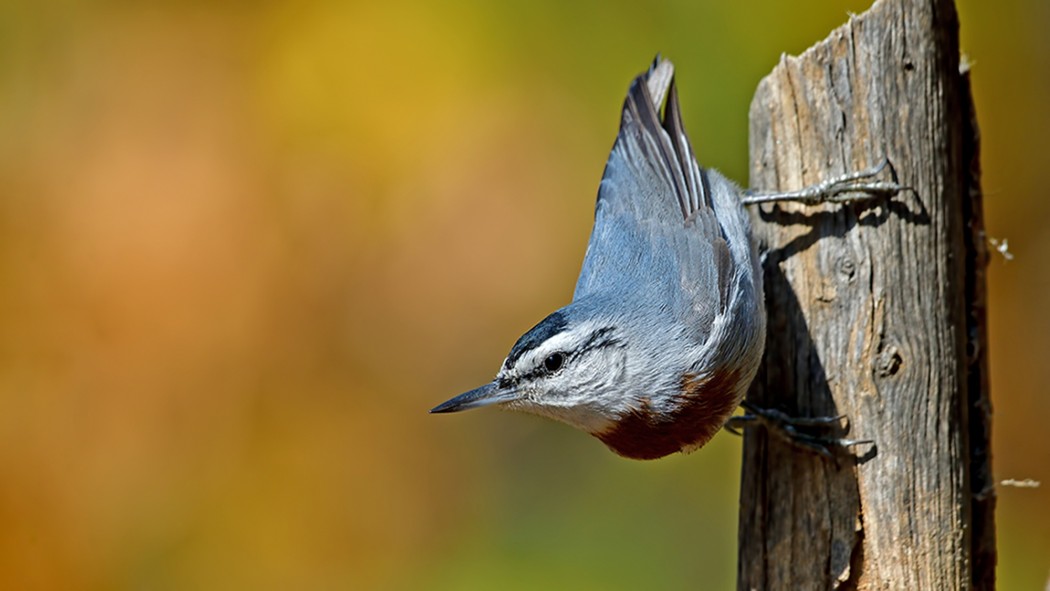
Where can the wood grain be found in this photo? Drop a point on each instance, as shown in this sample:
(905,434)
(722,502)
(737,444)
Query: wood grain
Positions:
(876,311)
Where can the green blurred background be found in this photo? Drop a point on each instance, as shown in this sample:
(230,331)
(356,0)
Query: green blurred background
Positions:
(244,248)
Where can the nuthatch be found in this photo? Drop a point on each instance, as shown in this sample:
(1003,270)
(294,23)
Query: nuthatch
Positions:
(666,327)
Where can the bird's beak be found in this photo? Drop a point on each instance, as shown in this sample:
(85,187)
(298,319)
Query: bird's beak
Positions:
(483,396)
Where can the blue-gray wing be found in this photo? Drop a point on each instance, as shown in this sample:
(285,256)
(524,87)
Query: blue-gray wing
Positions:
(655,224)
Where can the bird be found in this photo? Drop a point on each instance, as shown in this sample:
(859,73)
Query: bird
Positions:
(666,328)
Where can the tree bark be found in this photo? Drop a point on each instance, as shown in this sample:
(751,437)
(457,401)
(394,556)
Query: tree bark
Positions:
(877,312)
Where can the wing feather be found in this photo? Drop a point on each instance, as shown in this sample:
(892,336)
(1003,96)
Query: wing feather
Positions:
(654,219)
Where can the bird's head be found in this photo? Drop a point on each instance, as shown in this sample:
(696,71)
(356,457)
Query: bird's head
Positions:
(613,377)
(571,367)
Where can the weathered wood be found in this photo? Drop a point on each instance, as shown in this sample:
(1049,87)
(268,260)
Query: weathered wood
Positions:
(876,311)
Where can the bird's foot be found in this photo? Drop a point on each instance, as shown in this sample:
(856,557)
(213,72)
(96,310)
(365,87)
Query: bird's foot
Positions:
(813,434)
(856,186)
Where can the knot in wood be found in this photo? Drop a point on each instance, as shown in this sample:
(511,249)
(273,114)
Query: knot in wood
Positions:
(888,362)
(847,267)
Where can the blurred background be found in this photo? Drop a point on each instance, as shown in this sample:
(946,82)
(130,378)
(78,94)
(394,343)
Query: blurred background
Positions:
(245,246)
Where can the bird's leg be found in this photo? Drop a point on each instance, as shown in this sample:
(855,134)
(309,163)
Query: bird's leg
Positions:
(856,186)
(791,429)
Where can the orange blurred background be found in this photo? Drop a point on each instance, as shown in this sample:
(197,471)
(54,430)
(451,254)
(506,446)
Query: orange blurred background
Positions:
(244,247)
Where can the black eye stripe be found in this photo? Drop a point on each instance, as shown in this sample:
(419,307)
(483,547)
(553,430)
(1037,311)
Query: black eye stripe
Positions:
(599,339)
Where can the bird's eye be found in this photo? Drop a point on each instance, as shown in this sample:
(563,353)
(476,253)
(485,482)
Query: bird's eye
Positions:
(554,361)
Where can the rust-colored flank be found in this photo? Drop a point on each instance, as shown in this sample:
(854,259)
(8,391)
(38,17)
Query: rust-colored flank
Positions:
(705,406)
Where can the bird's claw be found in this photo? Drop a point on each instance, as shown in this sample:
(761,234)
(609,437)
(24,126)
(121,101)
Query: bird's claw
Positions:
(852,187)
(793,430)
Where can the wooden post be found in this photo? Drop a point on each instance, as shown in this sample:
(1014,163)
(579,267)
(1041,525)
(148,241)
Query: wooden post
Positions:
(876,311)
